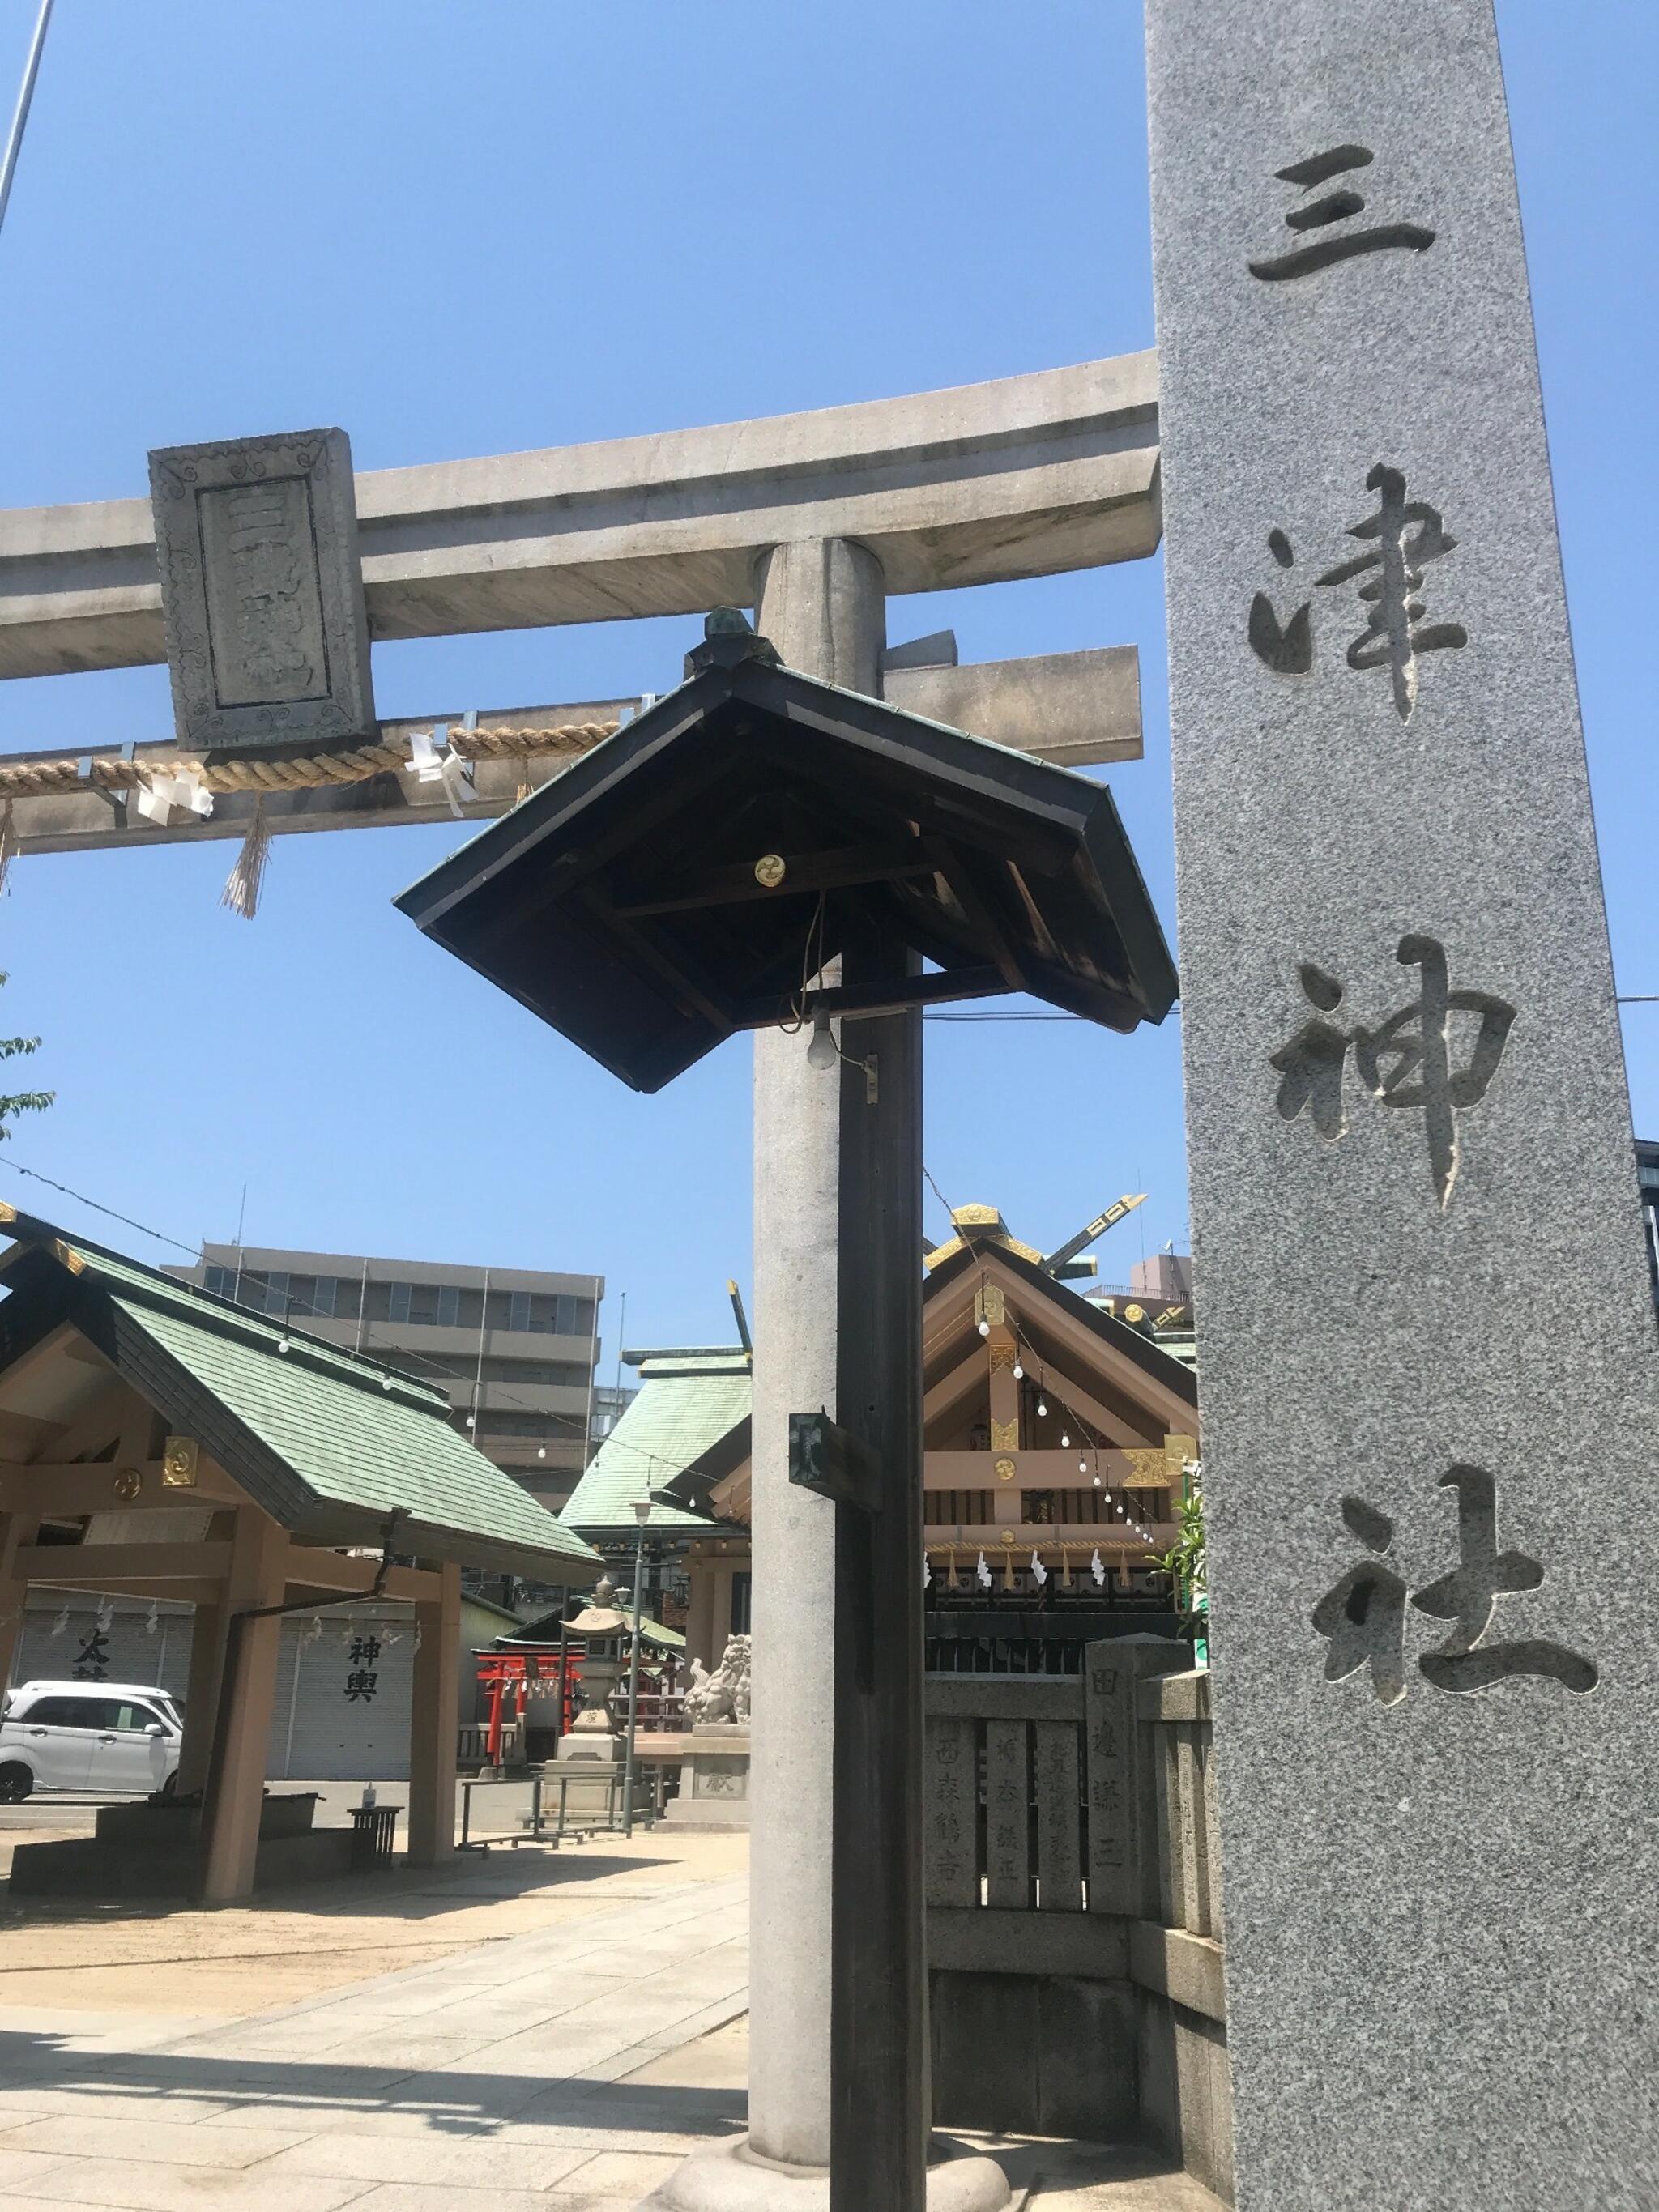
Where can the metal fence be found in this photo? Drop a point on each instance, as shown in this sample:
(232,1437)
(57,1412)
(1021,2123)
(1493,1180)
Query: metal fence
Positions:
(549,1806)
(1033,1644)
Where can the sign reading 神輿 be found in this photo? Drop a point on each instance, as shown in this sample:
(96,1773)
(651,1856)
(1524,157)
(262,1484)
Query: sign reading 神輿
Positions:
(1435,1687)
(262,592)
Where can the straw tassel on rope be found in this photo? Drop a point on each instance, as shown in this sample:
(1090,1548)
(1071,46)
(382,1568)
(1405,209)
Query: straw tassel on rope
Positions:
(242,885)
(8,843)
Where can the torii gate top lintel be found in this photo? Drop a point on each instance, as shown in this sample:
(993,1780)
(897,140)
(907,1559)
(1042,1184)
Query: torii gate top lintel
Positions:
(1025,475)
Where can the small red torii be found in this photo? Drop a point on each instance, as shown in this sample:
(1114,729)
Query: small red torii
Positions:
(516,1672)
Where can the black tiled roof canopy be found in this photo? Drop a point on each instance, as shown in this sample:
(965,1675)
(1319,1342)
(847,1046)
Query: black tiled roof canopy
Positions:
(621,902)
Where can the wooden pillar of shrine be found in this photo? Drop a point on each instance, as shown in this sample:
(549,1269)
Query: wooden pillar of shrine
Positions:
(434,1720)
(14,1532)
(235,1783)
(207,1659)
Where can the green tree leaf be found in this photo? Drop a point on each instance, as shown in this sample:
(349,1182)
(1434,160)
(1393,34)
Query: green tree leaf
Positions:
(14,1102)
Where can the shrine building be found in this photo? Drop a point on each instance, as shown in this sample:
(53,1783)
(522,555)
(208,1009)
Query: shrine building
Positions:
(158,1442)
(1058,1432)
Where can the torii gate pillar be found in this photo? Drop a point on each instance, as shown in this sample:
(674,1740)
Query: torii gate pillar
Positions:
(823,604)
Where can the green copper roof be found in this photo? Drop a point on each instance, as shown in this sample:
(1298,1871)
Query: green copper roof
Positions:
(689,1402)
(327,1442)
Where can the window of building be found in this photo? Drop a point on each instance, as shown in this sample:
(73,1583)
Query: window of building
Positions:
(219,1280)
(277,1297)
(543,1374)
(545,1313)
(324,1291)
(742,1585)
(397,1302)
(449,1306)
(544,1427)
(302,1300)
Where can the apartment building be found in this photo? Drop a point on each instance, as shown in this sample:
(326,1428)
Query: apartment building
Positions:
(516,1350)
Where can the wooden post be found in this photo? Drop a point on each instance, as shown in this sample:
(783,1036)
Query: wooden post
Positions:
(207,1660)
(700,1614)
(434,1721)
(879,2116)
(1002,1350)
(15,1531)
(231,1816)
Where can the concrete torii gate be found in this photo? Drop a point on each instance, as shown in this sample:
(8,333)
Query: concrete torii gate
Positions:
(812,520)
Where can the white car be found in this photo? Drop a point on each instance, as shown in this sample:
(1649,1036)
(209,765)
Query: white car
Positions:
(96,1736)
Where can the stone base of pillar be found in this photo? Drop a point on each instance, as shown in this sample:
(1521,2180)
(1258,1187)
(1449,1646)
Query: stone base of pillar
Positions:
(728,2177)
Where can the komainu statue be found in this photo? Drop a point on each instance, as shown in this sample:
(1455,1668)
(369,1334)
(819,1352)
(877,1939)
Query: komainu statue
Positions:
(723,1695)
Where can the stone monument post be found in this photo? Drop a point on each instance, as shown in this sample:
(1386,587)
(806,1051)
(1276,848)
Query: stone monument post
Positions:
(1427,1451)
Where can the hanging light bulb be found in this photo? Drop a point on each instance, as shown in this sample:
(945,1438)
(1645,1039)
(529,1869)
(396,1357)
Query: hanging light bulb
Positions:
(984,1327)
(1042,1408)
(822,1052)
(1019,1372)
(1096,1482)
(1083,1467)
(541,1451)
(471,1421)
(1064,1440)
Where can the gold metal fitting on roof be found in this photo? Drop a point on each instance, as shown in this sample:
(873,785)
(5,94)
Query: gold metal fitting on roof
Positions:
(179,1463)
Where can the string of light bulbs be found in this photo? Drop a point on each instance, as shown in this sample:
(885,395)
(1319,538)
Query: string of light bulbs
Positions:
(1023,1345)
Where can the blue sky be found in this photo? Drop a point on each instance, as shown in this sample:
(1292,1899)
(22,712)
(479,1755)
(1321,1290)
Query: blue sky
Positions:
(462,228)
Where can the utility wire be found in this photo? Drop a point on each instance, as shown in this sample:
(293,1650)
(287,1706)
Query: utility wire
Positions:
(81,1199)
(21,113)
(403,1352)
(1623,998)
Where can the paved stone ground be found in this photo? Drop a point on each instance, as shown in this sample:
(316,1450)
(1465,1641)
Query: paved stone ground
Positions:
(231,1960)
(558,2032)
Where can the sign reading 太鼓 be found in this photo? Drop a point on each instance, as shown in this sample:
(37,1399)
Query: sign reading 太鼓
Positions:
(256,540)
